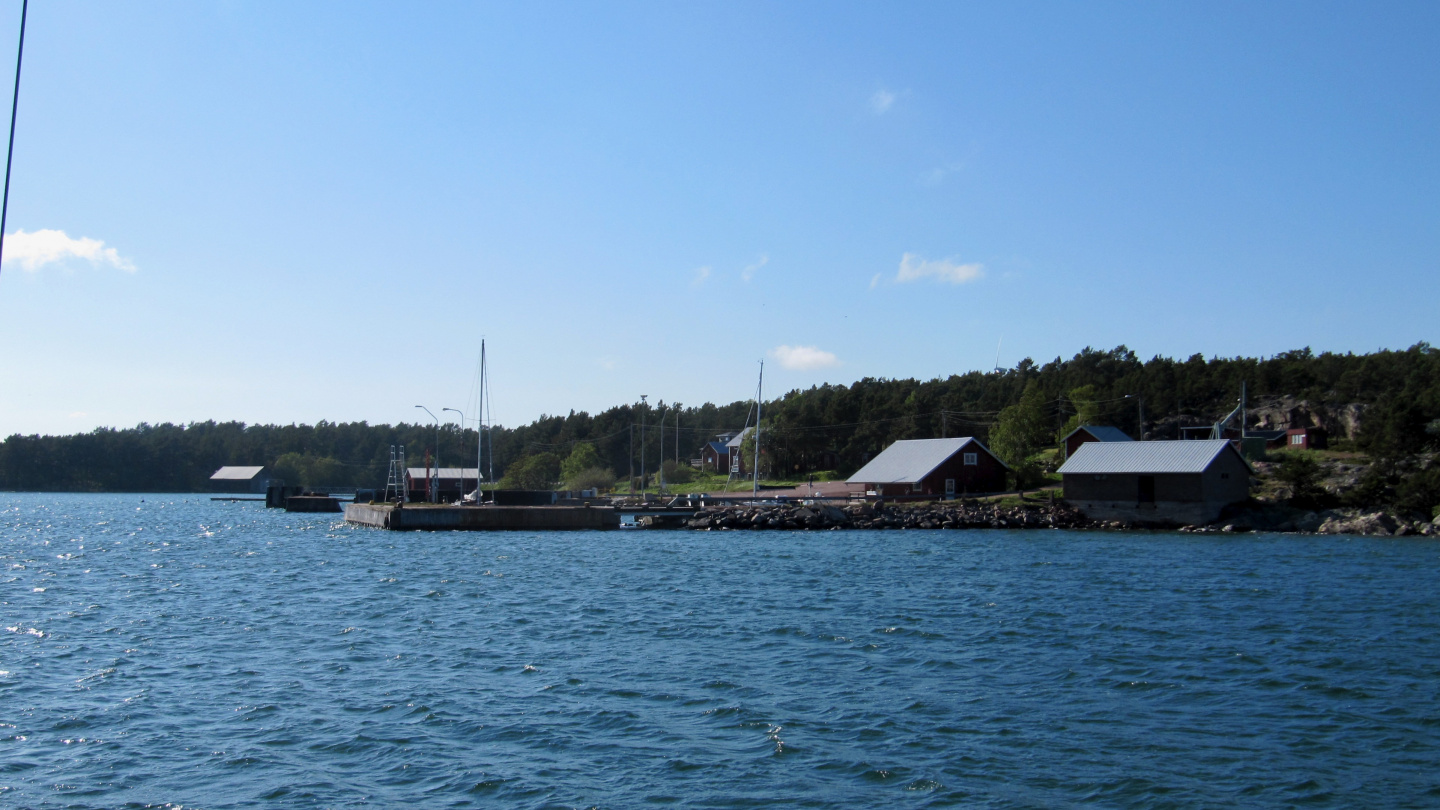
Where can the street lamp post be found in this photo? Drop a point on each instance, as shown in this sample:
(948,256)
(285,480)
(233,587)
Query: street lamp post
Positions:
(434,486)
(1140,400)
(643,407)
(477,458)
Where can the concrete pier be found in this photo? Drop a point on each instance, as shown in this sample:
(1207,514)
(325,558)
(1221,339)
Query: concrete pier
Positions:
(481,518)
(312,503)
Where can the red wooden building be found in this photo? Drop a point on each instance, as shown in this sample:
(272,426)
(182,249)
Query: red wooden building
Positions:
(932,468)
(1091,433)
(1309,438)
(455,482)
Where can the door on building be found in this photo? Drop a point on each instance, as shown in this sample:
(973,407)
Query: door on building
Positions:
(949,487)
(1147,489)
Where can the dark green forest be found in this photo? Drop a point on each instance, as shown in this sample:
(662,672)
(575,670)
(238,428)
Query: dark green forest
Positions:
(836,427)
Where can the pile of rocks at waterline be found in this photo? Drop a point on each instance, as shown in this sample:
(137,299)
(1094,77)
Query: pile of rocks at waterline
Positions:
(866,516)
(1287,519)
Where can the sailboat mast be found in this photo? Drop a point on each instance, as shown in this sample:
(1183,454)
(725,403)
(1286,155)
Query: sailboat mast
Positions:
(759,400)
(489,415)
(14,107)
(480,424)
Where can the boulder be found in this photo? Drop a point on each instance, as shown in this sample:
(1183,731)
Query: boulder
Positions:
(1376,524)
(1309,522)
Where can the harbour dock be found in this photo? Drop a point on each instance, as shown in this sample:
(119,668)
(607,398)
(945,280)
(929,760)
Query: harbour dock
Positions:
(433,517)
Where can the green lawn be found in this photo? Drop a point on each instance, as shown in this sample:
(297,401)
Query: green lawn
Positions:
(713,482)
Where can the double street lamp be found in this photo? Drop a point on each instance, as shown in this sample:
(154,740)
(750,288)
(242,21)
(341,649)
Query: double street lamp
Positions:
(434,484)
(462,466)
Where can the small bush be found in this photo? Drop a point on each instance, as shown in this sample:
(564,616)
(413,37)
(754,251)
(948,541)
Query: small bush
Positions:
(1027,475)
(678,473)
(1420,492)
(1373,490)
(539,471)
(1302,473)
(592,478)
(583,457)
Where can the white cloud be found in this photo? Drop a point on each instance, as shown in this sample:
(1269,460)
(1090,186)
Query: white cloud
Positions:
(701,273)
(37,249)
(949,271)
(804,358)
(749,272)
(881,101)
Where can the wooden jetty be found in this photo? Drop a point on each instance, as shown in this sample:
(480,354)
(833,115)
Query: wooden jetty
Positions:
(433,517)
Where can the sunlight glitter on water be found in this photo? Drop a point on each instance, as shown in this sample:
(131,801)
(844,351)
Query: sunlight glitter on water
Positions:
(289,661)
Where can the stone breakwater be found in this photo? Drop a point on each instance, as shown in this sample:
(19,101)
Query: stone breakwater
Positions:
(866,516)
(1037,516)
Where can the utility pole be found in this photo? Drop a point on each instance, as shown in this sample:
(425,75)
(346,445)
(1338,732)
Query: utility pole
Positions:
(662,446)
(1243,404)
(644,406)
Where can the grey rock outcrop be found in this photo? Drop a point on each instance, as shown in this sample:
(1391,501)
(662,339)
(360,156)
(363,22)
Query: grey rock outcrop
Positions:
(1340,419)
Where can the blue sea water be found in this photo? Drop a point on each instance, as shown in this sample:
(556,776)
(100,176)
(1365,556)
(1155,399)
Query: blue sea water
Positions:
(162,651)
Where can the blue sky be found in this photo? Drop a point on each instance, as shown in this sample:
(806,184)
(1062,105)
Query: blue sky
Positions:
(278,212)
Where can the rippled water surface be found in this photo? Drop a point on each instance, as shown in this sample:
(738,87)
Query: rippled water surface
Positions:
(171,649)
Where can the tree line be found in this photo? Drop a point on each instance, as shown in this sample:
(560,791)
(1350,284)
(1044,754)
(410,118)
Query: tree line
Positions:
(826,427)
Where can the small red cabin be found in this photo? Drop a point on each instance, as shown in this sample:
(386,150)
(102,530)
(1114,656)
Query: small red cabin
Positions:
(1091,433)
(1310,438)
(932,468)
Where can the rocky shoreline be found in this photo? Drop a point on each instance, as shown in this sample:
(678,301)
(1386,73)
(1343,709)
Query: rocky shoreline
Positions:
(1059,515)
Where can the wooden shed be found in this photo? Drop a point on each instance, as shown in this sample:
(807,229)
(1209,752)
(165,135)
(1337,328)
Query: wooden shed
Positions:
(1307,438)
(1186,481)
(1091,433)
(715,456)
(252,480)
(455,482)
(932,468)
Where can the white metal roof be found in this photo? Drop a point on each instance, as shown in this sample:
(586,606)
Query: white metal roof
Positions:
(909,460)
(236,473)
(445,472)
(1146,457)
(739,438)
(1101,433)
